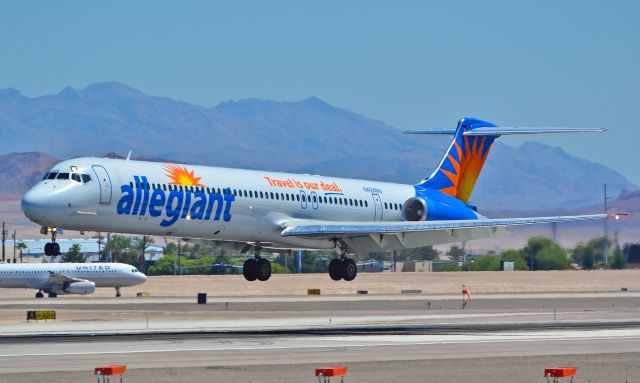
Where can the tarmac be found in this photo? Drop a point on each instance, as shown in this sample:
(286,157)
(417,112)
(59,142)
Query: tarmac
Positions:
(504,334)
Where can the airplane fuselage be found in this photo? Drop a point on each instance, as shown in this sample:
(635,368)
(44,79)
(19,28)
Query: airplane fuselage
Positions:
(214,203)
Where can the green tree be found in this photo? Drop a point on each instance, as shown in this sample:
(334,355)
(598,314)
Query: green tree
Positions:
(485,263)
(546,254)
(74,255)
(618,260)
(448,267)
(590,253)
(515,256)
(427,253)
(455,253)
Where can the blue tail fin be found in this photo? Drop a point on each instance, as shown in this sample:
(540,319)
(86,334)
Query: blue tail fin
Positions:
(461,165)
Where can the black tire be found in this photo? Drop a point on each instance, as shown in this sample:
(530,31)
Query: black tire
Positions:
(350,269)
(250,270)
(53,294)
(335,269)
(39,295)
(47,248)
(263,269)
(56,249)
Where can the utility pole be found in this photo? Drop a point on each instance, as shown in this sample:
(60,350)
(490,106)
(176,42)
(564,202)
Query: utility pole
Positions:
(4,237)
(109,256)
(144,246)
(14,245)
(179,259)
(605,243)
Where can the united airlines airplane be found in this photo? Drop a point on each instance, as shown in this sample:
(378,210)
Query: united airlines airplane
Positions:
(68,278)
(252,210)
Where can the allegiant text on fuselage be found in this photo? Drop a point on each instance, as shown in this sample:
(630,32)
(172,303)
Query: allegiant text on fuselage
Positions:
(185,204)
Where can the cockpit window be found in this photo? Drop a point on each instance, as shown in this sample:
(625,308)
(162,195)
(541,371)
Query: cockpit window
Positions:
(52,175)
(46,175)
(86,178)
(76,177)
(134,270)
(63,176)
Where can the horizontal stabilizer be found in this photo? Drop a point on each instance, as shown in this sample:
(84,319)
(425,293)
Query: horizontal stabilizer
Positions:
(503,131)
(445,132)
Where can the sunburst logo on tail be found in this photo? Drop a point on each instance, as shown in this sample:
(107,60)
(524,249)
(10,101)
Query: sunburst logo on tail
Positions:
(181,175)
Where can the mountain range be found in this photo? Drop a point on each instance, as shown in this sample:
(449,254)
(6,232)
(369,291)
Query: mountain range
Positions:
(309,136)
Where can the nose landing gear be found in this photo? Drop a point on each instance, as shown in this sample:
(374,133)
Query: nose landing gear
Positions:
(118,295)
(52,248)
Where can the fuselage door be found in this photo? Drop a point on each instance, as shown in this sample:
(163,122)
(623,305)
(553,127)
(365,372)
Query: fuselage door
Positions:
(303,199)
(377,204)
(105,183)
(314,200)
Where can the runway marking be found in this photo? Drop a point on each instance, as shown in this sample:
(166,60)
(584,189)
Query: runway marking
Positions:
(371,341)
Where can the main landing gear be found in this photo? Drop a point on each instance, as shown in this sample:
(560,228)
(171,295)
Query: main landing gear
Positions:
(51,248)
(343,267)
(118,295)
(39,294)
(256,268)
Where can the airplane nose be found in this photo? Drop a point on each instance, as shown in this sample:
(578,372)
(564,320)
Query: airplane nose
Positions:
(35,205)
(143,278)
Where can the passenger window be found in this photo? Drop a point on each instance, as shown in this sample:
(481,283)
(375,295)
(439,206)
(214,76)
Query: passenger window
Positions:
(86,178)
(76,177)
(271,195)
(261,195)
(63,176)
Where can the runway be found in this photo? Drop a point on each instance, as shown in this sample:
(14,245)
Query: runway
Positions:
(382,337)
(187,352)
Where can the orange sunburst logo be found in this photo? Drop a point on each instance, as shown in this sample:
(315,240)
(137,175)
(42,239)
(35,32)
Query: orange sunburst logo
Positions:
(181,175)
(472,156)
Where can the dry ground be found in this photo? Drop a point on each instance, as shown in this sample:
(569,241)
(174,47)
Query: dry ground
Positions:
(379,283)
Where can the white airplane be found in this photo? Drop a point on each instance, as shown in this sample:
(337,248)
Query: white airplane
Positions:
(247,209)
(68,278)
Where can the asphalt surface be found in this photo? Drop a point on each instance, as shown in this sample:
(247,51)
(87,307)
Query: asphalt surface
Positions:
(498,337)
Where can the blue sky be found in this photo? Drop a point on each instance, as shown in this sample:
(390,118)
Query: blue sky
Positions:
(411,64)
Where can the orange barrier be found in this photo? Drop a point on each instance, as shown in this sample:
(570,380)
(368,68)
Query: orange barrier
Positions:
(325,374)
(559,372)
(106,371)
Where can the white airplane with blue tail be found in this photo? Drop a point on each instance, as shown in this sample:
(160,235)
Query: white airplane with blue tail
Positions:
(253,210)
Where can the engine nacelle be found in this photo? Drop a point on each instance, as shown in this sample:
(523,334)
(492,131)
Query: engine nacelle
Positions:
(80,287)
(414,209)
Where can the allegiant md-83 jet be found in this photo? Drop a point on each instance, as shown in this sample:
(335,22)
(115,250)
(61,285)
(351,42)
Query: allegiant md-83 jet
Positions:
(253,210)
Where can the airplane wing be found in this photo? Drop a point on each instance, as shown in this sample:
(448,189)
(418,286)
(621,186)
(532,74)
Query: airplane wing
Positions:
(365,237)
(56,281)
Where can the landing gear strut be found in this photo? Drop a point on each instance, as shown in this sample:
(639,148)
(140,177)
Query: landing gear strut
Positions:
(118,292)
(343,267)
(52,248)
(256,268)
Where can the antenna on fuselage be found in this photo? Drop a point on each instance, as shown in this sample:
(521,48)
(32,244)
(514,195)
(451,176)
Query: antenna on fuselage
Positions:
(128,156)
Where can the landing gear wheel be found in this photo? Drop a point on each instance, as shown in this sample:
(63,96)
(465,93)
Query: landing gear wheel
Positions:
(47,248)
(118,295)
(335,269)
(53,294)
(39,294)
(349,269)
(263,269)
(250,269)
(56,249)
